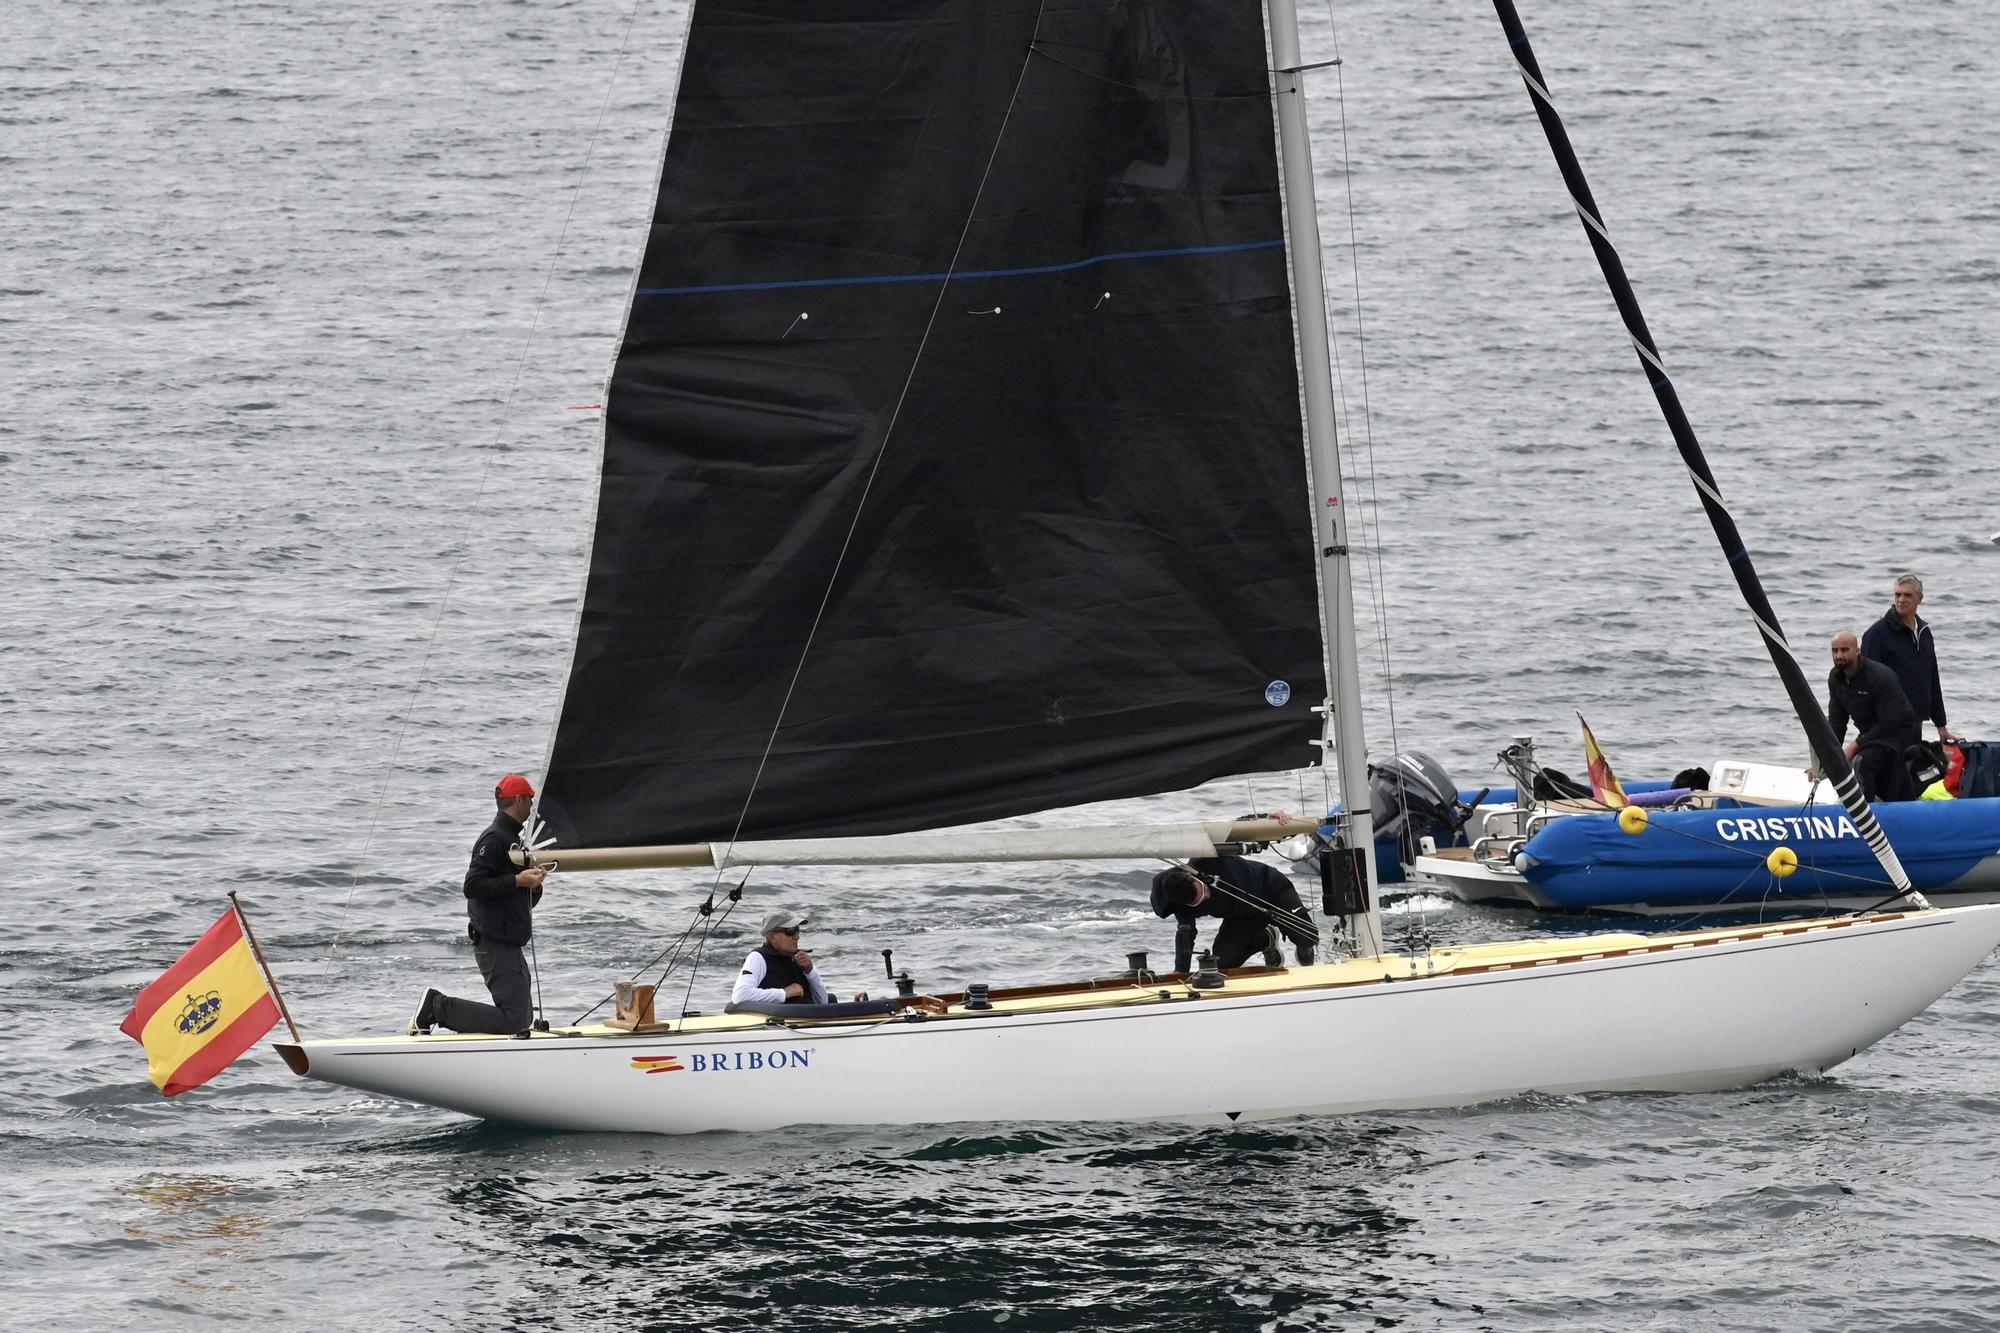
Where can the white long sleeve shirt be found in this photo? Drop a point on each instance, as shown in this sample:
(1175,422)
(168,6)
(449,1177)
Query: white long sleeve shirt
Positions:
(750,985)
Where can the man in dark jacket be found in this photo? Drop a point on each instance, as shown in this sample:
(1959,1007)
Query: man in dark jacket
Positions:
(1901,640)
(499,906)
(1884,723)
(1252,899)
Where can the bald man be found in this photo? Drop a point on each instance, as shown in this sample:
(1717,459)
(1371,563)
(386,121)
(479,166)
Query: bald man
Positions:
(1884,722)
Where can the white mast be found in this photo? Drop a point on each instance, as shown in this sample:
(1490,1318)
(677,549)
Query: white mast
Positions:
(1336,588)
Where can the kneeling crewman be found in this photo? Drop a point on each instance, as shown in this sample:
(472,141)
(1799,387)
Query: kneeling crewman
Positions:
(1255,902)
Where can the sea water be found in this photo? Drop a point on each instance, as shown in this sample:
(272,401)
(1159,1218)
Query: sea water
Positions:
(304,312)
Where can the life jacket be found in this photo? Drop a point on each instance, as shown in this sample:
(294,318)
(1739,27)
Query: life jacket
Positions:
(1954,766)
(780,971)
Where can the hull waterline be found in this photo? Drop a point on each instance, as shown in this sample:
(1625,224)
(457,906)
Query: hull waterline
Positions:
(1682,1013)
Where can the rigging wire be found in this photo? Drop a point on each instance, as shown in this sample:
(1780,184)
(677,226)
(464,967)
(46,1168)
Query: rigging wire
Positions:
(1371,547)
(1824,872)
(671,952)
(540,1019)
(1283,916)
(475,513)
(701,947)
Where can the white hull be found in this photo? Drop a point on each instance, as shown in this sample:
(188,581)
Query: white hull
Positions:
(1478,882)
(1680,1013)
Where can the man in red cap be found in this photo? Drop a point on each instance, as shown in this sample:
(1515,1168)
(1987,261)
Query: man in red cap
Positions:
(499,905)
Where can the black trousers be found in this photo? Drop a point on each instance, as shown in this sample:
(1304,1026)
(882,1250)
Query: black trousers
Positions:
(505,967)
(1235,942)
(1239,939)
(1883,774)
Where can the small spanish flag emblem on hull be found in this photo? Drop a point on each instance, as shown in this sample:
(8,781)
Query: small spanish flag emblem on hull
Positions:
(658,1064)
(204,1011)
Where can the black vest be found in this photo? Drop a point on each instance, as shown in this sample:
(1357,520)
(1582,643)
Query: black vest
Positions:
(780,971)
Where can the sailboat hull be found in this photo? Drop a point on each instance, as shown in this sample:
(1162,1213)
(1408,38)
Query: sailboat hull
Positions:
(1684,1013)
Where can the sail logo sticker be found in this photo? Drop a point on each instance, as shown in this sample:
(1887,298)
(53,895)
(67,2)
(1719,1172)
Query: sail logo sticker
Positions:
(1277,693)
(658,1064)
(200,1014)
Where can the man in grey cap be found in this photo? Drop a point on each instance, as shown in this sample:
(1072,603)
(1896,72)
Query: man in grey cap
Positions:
(778,971)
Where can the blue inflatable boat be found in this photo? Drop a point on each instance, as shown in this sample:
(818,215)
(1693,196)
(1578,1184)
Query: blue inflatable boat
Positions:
(1717,857)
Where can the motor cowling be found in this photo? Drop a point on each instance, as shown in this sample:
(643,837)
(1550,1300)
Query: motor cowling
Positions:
(1412,798)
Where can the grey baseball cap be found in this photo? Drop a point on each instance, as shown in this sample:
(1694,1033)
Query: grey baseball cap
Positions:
(780,921)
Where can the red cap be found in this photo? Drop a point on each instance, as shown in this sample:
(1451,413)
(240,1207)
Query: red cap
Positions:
(511,786)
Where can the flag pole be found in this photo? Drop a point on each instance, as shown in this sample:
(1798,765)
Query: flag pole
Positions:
(269,980)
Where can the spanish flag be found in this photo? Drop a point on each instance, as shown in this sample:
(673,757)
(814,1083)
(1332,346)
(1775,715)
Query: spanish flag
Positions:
(206,1010)
(1603,783)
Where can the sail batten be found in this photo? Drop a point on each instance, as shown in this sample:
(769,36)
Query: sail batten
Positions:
(962,275)
(935,492)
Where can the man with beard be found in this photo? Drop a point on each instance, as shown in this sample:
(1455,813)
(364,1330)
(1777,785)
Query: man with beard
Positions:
(1884,723)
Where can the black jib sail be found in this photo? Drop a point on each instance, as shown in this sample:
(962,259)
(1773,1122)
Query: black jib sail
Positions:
(953,463)
(1819,733)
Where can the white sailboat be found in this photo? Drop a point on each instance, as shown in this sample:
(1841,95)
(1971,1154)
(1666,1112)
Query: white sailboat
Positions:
(1060,241)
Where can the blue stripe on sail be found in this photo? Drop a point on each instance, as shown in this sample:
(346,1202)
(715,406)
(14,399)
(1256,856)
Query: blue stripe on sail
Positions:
(963,273)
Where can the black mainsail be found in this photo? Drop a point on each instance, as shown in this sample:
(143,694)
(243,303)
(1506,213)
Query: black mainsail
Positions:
(1819,733)
(953,463)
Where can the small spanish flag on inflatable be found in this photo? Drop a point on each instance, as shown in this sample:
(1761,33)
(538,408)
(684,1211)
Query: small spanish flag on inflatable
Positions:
(1603,782)
(205,1010)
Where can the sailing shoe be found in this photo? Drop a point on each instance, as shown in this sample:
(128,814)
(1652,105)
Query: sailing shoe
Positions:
(429,1012)
(1273,956)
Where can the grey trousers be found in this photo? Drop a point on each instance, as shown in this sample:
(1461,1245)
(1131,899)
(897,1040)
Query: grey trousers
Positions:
(505,967)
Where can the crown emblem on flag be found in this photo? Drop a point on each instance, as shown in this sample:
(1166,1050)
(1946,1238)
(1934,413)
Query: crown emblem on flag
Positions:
(179,1017)
(201,1013)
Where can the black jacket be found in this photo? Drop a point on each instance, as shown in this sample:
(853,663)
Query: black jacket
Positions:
(1881,713)
(495,907)
(1912,655)
(1250,879)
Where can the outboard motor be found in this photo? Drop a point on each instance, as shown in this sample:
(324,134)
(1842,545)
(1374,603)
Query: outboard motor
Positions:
(1412,798)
